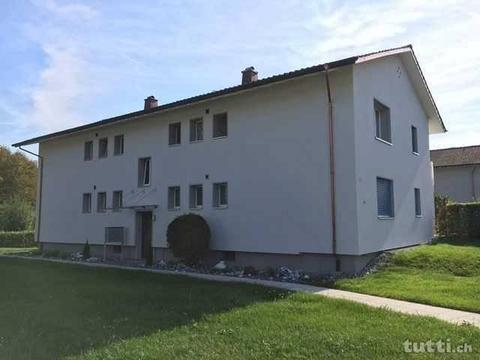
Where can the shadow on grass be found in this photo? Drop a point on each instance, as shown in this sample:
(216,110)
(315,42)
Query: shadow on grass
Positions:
(49,310)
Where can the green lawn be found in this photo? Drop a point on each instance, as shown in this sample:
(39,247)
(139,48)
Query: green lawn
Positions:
(52,311)
(17,251)
(445,274)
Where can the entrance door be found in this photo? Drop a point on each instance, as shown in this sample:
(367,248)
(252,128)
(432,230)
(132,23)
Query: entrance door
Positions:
(145,227)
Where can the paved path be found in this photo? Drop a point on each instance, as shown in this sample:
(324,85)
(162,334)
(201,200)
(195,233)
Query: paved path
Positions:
(445,314)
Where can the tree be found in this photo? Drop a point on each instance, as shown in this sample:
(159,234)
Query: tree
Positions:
(18,177)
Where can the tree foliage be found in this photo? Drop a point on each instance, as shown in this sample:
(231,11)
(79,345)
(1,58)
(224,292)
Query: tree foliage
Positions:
(18,182)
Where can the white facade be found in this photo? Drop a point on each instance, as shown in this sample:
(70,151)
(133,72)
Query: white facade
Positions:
(275,160)
(460,183)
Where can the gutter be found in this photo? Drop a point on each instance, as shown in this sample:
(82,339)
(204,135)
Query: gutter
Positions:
(39,193)
(331,144)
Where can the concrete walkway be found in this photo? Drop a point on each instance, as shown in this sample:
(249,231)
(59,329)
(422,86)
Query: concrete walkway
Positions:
(450,315)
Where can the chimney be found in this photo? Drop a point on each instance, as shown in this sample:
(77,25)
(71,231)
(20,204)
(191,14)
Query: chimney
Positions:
(150,103)
(249,75)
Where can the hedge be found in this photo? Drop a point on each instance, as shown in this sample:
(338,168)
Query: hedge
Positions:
(460,220)
(17,239)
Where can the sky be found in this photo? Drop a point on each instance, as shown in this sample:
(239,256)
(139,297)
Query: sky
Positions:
(67,63)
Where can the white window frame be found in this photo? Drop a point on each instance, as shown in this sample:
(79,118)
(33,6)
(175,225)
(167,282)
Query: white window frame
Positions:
(89,152)
(214,125)
(177,135)
(217,188)
(103,208)
(392,199)
(414,135)
(87,209)
(172,198)
(194,196)
(382,117)
(117,195)
(142,171)
(196,130)
(418,202)
(118,151)
(100,154)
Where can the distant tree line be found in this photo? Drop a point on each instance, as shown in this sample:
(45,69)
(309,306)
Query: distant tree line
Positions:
(18,184)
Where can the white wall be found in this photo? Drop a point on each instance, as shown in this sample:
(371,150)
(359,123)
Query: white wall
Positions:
(275,160)
(388,82)
(457,182)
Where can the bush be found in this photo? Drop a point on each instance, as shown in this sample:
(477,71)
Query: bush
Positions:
(17,239)
(189,237)
(16,215)
(441,213)
(86,251)
(461,220)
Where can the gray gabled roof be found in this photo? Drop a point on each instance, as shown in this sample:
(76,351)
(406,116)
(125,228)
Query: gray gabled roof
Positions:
(237,89)
(457,156)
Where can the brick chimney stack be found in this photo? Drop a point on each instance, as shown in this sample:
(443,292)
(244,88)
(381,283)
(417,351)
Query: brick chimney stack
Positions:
(150,103)
(249,75)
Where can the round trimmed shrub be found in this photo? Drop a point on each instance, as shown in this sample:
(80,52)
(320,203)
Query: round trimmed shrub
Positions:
(188,236)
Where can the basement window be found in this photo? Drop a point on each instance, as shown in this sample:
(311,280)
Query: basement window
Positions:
(103,148)
(382,122)
(101,202)
(174,134)
(196,196)
(220,125)
(144,171)
(385,203)
(88,151)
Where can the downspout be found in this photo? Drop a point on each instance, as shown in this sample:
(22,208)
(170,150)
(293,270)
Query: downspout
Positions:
(39,194)
(474,193)
(332,161)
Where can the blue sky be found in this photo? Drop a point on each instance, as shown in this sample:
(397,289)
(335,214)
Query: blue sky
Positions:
(66,63)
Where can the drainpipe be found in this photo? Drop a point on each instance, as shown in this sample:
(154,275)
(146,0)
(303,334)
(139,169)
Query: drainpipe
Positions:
(332,161)
(474,193)
(39,195)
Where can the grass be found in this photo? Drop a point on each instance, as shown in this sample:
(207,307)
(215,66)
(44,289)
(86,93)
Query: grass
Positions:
(52,311)
(444,274)
(18,251)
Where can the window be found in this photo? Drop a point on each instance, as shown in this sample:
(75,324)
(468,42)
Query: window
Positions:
(101,202)
(174,134)
(220,195)
(115,234)
(174,197)
(385,202)
(418,203)
(87,203)
(103,148)
(220,125)
(196,129)
(382,122)
(88,151)
(117,200)
(144,172)
(414,140)
(118,145)
(196,196)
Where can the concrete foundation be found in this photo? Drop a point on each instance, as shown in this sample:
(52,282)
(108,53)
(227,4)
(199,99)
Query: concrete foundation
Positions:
(310,263)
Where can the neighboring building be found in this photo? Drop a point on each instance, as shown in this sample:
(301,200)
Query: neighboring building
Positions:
(457,173)
(258,161)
